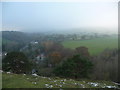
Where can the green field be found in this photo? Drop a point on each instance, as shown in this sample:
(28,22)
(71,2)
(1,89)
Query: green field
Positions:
(28,81)
(95,46)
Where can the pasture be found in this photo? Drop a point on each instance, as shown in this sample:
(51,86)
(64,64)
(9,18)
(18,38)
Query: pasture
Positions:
(95,46)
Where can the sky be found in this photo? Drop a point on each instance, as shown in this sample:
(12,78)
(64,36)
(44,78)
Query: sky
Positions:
(37,16)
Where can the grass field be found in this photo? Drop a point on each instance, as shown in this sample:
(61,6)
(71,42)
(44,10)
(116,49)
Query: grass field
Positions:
(10,80)
(95,46)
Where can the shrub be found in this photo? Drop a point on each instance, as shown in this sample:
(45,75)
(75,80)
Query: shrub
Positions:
(75,67)
(16,62)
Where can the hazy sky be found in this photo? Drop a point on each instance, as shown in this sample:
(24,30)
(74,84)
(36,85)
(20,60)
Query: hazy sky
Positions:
(59,15)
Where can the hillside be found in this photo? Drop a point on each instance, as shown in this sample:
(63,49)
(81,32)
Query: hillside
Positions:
(15,36)
(33,81)
(13,40)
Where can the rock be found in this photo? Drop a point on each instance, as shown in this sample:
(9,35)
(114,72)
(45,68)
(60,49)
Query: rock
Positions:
(34,74)
(8,72)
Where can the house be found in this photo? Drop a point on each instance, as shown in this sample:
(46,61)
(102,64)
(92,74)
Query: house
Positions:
(40,57)
(34,42)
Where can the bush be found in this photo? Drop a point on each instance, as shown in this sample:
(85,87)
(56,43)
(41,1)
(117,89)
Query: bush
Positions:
(16,62)
(75,67)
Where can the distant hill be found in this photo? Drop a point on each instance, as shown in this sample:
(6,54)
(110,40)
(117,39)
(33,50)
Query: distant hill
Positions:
(15,36)
(14,40)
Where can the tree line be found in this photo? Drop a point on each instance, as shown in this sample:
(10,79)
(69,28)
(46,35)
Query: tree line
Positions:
(64,62)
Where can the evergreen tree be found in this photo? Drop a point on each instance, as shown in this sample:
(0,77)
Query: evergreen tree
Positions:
(75,67)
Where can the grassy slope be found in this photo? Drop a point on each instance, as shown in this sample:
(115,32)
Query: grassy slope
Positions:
(6,41)
(28,81)
(95,46)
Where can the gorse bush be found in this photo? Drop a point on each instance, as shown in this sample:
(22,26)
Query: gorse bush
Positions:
(75,67)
